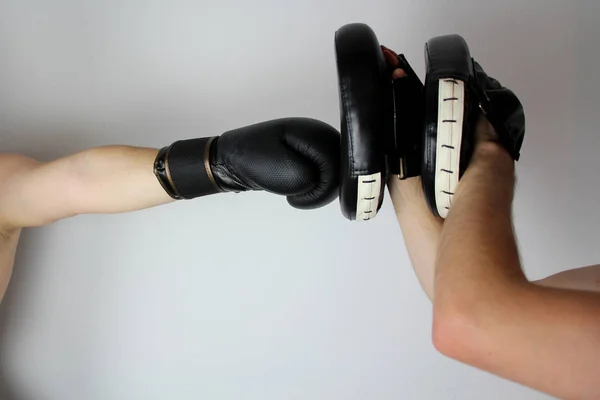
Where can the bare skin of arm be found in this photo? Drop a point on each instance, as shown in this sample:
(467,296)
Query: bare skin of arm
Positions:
(488,315)
(543,334)
(422,232)
(112,179)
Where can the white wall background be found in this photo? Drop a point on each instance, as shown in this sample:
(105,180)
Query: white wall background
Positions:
(211,299)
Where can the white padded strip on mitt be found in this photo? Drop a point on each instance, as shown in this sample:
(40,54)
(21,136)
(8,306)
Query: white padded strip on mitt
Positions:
(369,189)
(451,105)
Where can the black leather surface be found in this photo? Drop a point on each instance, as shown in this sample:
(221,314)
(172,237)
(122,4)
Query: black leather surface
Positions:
(295,157)
(449,57)
(504,111)
(445,57)
(366,108)
(186,171)
(430,141)
(405,154)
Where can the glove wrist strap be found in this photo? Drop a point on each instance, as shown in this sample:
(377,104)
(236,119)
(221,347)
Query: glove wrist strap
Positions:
(162,173)
(183,169)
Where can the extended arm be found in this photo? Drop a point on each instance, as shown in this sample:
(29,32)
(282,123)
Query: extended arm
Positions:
(110,179)
(303,152)
(294,157)
(102,180)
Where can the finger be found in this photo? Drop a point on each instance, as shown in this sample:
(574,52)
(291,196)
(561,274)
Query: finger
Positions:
(398,73)
(392,59)
(390,56)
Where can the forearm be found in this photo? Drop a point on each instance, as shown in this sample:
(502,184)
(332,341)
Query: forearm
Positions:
(110,179)
(477,250)
(421,232)
(488,315)
(420,229)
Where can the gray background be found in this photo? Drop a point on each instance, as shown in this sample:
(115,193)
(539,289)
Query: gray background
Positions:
(240,296)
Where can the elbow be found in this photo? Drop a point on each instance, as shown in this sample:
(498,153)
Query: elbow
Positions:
(467,327)
(460,331)
(469,315)
(448,333)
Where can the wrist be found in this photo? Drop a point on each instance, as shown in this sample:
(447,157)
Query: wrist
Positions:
(493,154)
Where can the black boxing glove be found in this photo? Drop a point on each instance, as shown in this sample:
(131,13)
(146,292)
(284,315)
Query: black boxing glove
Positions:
(295,157)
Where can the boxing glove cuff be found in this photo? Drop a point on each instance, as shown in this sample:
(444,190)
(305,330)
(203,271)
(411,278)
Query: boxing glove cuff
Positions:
(502,109)
(183,169)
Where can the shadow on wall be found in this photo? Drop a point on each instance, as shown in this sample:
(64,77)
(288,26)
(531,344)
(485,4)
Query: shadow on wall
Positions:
(41,328)
(6,392)
(10,312)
